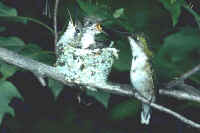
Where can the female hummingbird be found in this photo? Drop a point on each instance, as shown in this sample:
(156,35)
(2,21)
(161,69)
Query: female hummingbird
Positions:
(141,74)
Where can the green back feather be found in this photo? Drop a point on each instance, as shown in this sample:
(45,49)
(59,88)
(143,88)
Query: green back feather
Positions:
(144,44)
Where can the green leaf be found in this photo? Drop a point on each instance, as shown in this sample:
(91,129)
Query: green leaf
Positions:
(7,70)
(99,9)
(119,12)
(20,19)
(174,7)
(194,13)
(12,43)
(55,86)
(102,9)
(30,49)
(2,29)
(7,92)
(45,57)
(101,97)
(125,56)
(125,109)
(7,11)
(177,49)
(10,14)
(35,52)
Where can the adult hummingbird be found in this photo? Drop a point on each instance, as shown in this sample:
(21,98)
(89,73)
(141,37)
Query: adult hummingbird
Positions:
(141,74)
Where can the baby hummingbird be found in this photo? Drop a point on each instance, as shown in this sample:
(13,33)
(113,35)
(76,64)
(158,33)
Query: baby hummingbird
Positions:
(91,28)
(71,36)
(141,74)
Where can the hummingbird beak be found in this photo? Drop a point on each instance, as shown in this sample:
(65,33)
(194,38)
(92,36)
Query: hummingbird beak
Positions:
(99,28)
(70,17)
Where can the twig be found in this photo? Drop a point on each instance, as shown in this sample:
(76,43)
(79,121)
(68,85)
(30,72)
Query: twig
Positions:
(55,23)
(31,65)
(168,111)
(195,69)
(127,91)
(196,15)
(29,19)
(183,77)
(191,72)
(41,80)
(46,10)
(179,95)
(45,70)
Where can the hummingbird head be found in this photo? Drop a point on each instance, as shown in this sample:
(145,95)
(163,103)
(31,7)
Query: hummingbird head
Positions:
(143,44)
(140,45)
(73,32)
(78,27)
(91,28)
(93,24)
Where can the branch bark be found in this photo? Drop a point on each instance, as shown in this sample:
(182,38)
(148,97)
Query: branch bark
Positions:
(181,79)
(181,95)
(119,89)
(190,72)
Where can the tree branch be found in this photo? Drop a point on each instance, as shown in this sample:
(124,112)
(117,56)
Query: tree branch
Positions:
(168,111)
(120,89)
(191,72)
(179,95)
(183,77)
(196,15)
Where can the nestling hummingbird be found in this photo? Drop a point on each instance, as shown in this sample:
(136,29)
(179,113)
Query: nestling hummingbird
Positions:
(80,35)
(141,74)
(91,28)
(81,58)
(71,36)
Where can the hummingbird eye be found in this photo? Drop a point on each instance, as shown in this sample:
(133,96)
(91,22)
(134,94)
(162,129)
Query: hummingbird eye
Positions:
(78,31)
(135,57)
(90,23)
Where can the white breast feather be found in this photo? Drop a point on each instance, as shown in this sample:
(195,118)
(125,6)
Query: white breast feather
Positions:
(137,52)
(89,36)
(141,77)
(68,34)
(88,39)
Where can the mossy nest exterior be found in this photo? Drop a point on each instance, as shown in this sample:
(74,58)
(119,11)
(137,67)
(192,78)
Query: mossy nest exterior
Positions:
(86,65)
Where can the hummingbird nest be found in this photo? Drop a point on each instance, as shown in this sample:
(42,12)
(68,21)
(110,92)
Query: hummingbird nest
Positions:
(86,65)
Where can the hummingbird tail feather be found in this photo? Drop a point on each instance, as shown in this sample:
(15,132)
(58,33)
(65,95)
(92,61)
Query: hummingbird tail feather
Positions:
(145,114)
